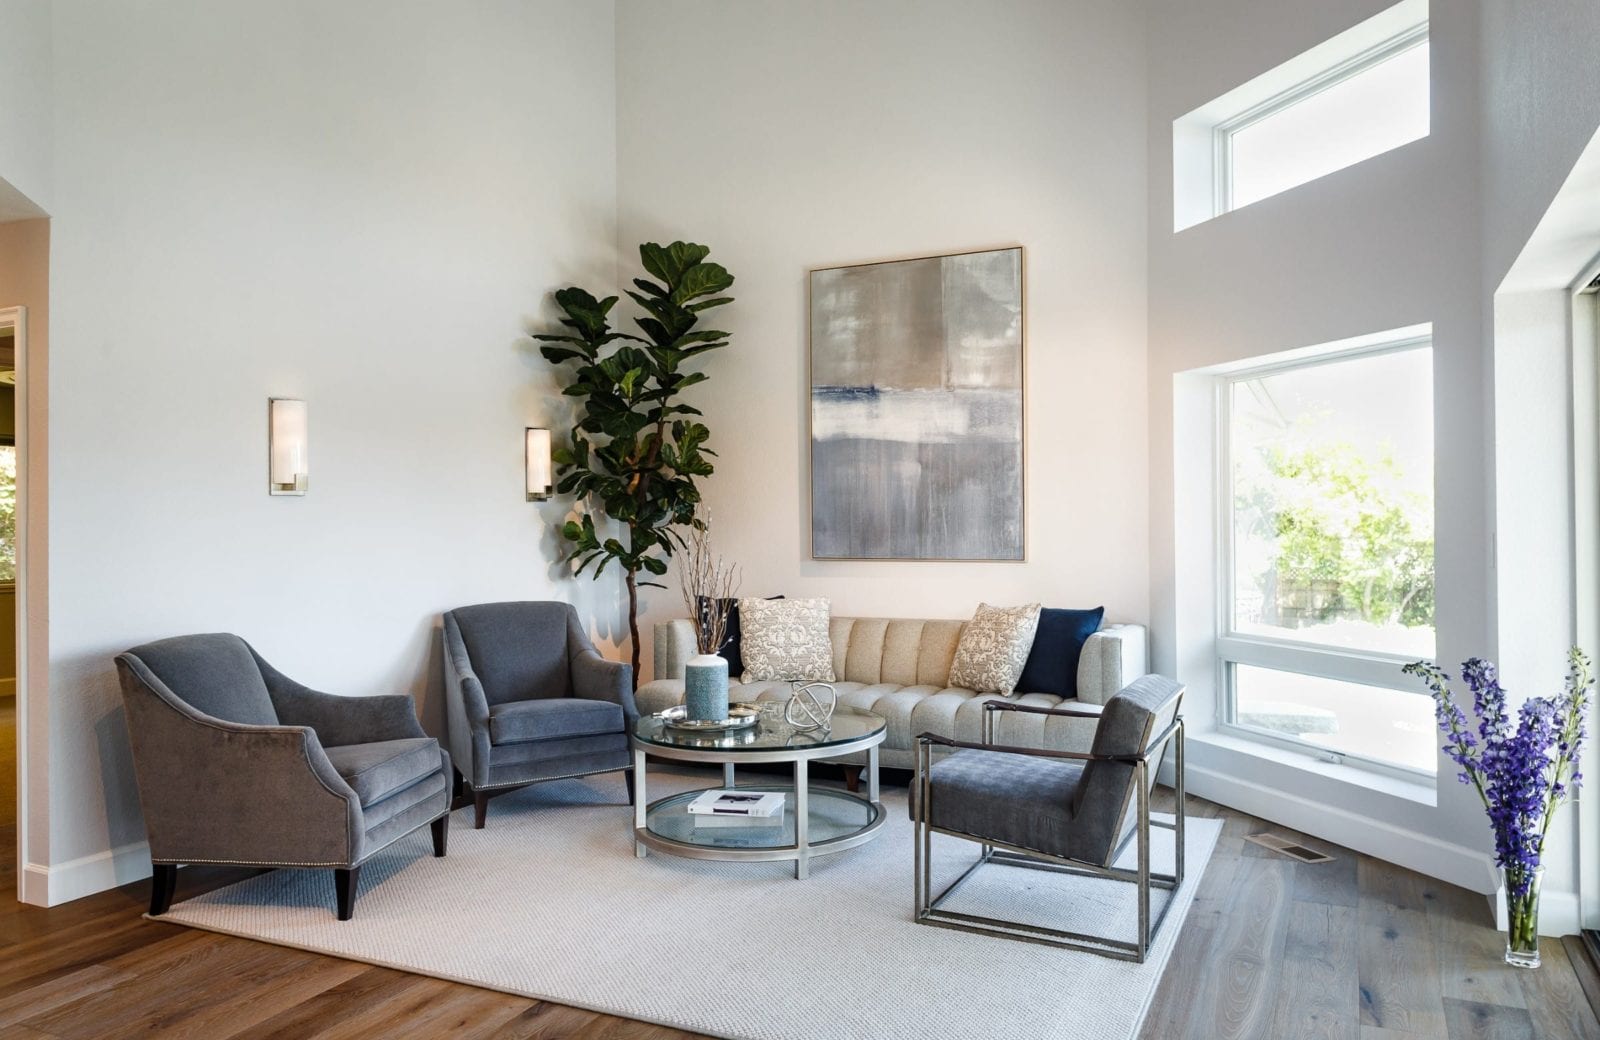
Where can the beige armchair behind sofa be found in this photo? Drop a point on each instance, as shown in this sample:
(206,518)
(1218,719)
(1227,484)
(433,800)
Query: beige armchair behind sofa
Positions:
(900,668)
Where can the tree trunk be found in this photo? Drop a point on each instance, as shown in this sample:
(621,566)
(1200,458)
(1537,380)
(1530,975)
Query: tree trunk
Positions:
(633,623)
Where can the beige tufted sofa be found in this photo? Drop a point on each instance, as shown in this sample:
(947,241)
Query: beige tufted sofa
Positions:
(900,668)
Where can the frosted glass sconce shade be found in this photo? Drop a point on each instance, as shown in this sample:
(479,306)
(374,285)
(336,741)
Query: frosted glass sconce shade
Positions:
(537,451)
(286,446)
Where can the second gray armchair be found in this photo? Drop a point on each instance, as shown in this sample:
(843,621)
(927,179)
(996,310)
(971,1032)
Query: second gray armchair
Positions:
(528,698)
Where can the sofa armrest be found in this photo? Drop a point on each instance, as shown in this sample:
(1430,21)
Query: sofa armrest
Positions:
(674,646)
(1112,658)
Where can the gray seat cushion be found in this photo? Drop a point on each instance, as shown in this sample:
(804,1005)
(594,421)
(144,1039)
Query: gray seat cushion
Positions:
(1013,799)
(554,718)
(377,770)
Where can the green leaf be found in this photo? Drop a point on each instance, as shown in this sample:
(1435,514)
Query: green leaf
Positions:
(668,263)
(701,280)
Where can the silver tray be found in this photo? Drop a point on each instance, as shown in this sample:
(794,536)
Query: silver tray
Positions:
(741,716)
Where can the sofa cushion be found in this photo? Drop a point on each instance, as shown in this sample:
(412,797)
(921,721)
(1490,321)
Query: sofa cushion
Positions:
(730,632)
(786,640)
(994,646)
(553,718)
(385,767)
(1053,662)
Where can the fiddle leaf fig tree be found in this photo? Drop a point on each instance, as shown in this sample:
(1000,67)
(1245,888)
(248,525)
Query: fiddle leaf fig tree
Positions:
(637,448)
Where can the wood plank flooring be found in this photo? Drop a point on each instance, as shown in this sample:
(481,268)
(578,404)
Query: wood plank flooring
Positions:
(1353,949)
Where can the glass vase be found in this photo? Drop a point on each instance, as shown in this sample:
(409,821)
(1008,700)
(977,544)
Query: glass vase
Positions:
(1522,915)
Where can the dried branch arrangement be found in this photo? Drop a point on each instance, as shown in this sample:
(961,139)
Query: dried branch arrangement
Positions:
(709,585)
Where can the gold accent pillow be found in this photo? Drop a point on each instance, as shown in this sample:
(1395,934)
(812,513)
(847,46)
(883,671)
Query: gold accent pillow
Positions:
(993,649)
(785,640)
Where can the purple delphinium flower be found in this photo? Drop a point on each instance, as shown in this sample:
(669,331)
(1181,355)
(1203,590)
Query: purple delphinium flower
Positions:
(1522,771)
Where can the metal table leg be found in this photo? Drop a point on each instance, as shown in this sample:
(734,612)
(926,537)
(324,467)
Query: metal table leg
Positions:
(802,819)
(640,801)
(727,775)
(872,773)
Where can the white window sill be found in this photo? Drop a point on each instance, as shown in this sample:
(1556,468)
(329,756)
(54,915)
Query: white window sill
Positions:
(1419,790)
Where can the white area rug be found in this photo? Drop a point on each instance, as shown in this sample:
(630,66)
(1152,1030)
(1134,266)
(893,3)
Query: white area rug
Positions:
(549,902)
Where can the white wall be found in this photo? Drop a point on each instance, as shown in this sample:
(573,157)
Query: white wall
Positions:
(25,167)
(1541,163)
(1387,243)
(819,134)
(362,204)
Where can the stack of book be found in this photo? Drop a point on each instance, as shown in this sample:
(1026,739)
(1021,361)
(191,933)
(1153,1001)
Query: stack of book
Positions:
(737,809)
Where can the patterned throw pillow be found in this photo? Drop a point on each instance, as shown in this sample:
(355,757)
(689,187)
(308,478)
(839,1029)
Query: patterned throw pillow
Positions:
(785,639)
(993,648)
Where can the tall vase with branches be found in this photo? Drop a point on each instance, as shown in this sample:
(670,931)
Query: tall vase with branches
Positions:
(709,584)
(637,448)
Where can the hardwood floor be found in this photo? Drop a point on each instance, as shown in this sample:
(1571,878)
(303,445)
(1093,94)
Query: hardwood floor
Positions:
(1354,949)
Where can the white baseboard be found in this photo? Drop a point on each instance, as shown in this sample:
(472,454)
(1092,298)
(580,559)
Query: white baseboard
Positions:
(1558,913)
(63,882)
(1444,860)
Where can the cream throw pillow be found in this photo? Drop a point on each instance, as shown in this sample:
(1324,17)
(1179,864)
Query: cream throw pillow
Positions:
(993,649)
(785,639)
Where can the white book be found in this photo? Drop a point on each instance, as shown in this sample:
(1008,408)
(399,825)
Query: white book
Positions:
(737,803)
(705,821)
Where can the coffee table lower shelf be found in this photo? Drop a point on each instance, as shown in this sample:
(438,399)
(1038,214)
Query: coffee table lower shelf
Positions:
(835,821)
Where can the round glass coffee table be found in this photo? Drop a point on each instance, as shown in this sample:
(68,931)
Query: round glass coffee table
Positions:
(814,822)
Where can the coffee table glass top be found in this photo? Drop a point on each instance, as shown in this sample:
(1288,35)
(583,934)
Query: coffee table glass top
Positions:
(770,733)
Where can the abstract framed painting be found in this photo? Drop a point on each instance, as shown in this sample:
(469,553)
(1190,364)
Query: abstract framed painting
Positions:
(917,409)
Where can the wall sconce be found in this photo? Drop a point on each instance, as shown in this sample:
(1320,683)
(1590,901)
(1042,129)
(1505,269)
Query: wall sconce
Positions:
(286,446)
(536,458)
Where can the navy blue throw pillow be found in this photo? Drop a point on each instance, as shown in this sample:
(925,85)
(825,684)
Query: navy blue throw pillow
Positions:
(730,645)
(1053,662)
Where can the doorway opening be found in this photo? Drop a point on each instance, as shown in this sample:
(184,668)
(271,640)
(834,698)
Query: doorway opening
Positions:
(13,342)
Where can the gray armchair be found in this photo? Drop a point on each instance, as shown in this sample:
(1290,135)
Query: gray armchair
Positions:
(237,763)
(1054,810)
(528,698)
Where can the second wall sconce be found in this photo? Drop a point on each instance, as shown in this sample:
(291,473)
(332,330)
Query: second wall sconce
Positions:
(536,449)
(287,443)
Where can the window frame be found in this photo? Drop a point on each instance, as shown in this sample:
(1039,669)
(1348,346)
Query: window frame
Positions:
(1374,668)
(1222,133)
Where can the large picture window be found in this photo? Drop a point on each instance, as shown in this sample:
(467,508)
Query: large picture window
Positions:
(1328,563)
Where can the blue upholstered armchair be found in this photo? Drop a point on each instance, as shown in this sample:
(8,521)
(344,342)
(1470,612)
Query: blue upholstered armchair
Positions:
(528,698)
(238,763)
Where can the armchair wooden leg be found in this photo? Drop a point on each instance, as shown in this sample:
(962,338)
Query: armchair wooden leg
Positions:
(441,835)
(345,882)
(627,775)
(852,778)
(480,809)
(163,883)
